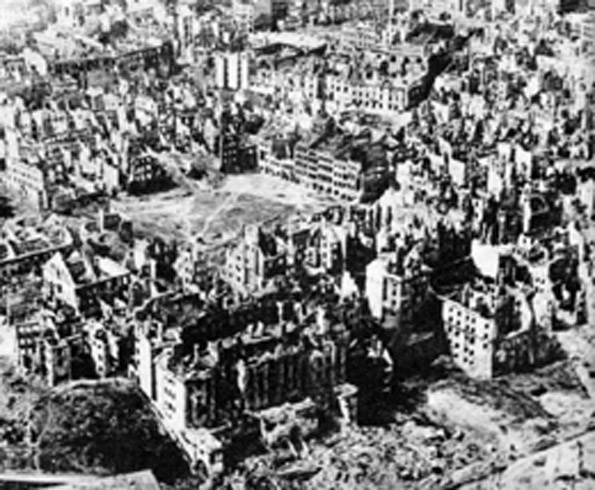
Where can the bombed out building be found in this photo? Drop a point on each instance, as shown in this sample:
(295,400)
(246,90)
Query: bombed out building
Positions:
(218,365)
(488,315)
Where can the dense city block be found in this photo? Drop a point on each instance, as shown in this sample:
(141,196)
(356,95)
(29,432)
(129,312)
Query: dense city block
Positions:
(297,244)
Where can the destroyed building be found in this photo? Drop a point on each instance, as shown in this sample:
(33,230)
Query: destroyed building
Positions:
(489,321)
(79,281)
(257,260)
(225,364)
(26,246)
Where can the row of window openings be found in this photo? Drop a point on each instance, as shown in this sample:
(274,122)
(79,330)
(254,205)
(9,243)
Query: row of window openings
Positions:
(450,328)
(456,347)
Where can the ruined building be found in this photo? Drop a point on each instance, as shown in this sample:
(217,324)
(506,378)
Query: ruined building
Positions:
(213,368)
(489,321)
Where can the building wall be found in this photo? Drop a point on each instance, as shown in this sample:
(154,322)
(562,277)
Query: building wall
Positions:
(28,180)
(244,71)
(330,250)
(471,339)
(144,365)
(26,263)
(372,96)
(390,294)
(543,300)
(294,375)
(322,172)
(269,164)
(88,294)
(110,177)
(524,350)
(375,287)
(99,354)
(28,334)
(235,271)
(171,396)
(8,341)
(361,37)
(57,362)
(409,295)
(247,268)
(147,174)
(203,409)
(586,194)
(220,73)
(61,286)
(232,70)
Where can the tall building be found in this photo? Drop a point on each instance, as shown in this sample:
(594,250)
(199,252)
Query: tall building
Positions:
(255,261)
(327,167)
(232,70)
(395,286)
(471,331)
(489,323)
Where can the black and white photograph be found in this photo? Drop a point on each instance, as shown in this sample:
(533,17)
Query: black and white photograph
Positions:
(297,244)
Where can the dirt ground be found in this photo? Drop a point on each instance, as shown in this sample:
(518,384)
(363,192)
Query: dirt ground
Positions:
(217,215)
(568,465)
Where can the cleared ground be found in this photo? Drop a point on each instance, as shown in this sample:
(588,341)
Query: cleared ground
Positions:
(568,465)
(217,215)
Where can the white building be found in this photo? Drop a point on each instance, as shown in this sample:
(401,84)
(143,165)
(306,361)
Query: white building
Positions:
(392,291)
(59,280)
(471,338)
(172,402)
(586,195)
(370,94)
(171,399)
(103,348)
(232,70)
(28,180)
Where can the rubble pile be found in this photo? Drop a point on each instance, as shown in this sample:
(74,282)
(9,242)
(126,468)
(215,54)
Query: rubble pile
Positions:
(571,463)
(414,452)
(559,376)
(19,394)
(102,428)
(495,394)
